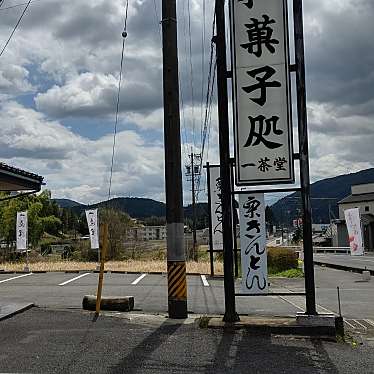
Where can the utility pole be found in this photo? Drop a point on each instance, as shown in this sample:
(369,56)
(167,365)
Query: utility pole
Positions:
(176,261)
(224,149)
(192,171)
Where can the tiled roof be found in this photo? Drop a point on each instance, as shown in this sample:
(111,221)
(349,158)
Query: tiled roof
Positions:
(19,172)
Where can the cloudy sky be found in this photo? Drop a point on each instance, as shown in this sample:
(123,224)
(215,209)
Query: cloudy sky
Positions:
(59,77)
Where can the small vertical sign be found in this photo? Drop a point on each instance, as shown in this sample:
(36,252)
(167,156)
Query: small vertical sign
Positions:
(93,227)
(216,207)
(22,230)
(261,92)
(353,221)
(253,243)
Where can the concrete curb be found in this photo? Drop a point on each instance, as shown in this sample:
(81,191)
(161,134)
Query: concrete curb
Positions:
(343,267)
(17,308)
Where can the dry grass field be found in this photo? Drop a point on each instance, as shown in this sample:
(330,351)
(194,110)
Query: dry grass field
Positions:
(202,267)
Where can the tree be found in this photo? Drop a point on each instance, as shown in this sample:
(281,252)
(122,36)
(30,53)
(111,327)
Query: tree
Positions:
(118,223)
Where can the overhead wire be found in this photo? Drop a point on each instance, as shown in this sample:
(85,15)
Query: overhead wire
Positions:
(124,35)
(208,104)
(158,25)
(15,27)
(202,70)
(15,5)
(191,75)
(185,136)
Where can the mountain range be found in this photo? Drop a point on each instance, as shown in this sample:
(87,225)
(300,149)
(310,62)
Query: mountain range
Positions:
(325,196)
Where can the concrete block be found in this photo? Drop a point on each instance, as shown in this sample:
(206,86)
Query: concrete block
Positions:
(113,303)
(366,276)
(320,320)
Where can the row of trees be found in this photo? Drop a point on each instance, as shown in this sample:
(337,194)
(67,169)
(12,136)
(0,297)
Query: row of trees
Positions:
(48,223)
(43,217)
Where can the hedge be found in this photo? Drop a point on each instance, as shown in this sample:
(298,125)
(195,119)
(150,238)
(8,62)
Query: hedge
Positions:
(281,259)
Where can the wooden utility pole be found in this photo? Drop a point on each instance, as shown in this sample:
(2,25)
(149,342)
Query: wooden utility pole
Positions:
(177,285)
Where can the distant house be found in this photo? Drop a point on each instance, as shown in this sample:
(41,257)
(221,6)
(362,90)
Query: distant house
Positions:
(362,197)
(13,179)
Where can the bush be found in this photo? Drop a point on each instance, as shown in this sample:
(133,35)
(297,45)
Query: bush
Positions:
(281,259)
(82,251)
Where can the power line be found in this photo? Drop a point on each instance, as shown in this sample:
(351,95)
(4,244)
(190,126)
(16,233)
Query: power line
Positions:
(208,102)
(15,27)
(158,25)
(202,71)
(185,64)
(191,73)
(16,5)
(124,35)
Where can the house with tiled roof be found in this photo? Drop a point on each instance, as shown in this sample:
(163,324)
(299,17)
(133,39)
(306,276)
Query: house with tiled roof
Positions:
(13,179)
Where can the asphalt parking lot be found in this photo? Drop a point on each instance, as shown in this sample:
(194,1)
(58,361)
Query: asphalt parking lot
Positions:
(55,341)
(205,294)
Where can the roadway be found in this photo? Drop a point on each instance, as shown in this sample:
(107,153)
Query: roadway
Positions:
(359,263)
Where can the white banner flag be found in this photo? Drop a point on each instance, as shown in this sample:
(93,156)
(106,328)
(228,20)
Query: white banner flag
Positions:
(216,207)
(22,230)
(353,221)
(253,243)
(93,227)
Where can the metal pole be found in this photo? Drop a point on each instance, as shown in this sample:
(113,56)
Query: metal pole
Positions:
(224,147)
(210,222)
(177,286)
(304,158)
(234,223)
(194,247)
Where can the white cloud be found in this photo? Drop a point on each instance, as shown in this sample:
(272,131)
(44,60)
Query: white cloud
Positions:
(68,54)
(14,80)
(27,133)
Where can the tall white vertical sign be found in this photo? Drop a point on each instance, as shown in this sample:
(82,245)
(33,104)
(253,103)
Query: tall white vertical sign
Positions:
(253,243)
(93,227)
(22,231)
(261,92)
(216,207)
(353,221)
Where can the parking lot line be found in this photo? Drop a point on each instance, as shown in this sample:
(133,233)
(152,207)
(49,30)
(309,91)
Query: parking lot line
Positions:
(19,276)
(137,280)
(360,324)
(370,322)
(204,280)
(349,324)
(73,279)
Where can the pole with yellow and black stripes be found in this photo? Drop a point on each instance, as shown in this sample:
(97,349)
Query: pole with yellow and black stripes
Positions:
(177,286)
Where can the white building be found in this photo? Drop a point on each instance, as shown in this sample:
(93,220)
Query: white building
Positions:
(144,233)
